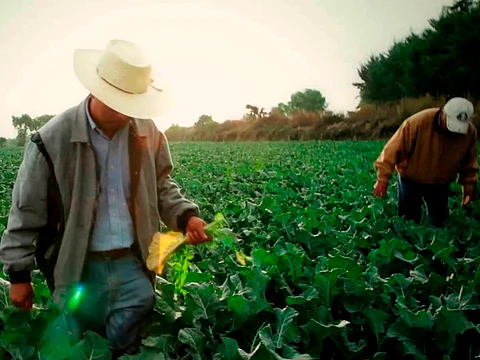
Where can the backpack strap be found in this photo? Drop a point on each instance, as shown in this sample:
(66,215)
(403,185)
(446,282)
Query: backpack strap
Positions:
(50,237)
(36,138)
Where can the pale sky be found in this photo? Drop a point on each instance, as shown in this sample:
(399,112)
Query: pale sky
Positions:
(219,54)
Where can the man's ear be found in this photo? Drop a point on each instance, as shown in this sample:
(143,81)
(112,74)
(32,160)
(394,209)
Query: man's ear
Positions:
(442,118)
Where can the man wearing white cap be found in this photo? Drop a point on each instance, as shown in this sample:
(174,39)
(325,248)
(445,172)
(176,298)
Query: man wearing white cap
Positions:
(430,150)
(91,191)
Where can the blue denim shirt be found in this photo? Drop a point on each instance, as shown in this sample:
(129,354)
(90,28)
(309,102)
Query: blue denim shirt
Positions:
(113,228)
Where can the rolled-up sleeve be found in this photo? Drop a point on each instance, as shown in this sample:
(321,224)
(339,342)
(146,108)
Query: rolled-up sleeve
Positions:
(468,168)
(394,151)
(174,208)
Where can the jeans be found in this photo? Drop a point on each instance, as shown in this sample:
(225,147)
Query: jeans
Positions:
(411,195)
(115,297)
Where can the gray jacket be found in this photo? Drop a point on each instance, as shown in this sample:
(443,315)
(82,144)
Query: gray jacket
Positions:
(154,196)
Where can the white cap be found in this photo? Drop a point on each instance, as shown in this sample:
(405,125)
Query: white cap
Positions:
(458,112)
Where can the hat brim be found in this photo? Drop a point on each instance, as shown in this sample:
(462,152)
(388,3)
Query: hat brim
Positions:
(456,126)
(150,104)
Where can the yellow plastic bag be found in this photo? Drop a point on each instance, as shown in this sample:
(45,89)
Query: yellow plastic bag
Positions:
(161,247)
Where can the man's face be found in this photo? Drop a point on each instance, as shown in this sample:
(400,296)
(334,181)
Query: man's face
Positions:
(106,117)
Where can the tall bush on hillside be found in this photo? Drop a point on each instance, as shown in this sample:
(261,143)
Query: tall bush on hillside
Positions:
(204,128)
(309,100)
(441,61)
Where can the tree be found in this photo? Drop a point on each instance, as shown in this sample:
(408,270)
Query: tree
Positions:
(254,112)
(204,120)
(40,121)
(308,100)
(3,142)
(204,128)
(26,125)
(282,108)
(22,124)
(439,62)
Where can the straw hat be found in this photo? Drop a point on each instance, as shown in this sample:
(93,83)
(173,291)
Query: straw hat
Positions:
(120,77)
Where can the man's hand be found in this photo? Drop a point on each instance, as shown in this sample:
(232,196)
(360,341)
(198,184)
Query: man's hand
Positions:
(380,188)
(196,231)
(468,193)
(21,295)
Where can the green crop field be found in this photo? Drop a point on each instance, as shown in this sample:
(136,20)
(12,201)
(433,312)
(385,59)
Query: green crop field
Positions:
(329,271)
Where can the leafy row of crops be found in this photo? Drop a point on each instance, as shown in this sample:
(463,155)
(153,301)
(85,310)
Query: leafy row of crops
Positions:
(330,271)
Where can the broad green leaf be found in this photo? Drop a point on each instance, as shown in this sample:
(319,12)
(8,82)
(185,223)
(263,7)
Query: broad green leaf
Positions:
(266,349)
(162,342)
(452,321)
(286,329)
(376,320)
(353,269)
(408,256)
(410,349)
(165,309)
(399,285)
(146,354)
(399,329)
(195,340)
(419,319)
(290,260)
(309,294)
(295,300)
(92,347)
(196,277)
(228,349)
(292,354)
(312,242)
(320,331)
(465,300)
(442,251)
(201,303)
(60,348)
(262,258)
(419,274)
(259,353)
(382,255)
(352,347)
(325,282)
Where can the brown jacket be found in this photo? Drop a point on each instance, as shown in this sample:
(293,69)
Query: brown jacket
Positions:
(423,151)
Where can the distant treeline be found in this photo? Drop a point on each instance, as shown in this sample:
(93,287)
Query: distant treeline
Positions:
(420,71)
(370,122)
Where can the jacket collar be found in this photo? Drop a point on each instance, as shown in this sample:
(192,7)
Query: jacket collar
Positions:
(436,122)
(80,125)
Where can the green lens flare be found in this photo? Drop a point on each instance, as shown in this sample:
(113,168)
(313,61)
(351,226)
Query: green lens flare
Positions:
(75,299)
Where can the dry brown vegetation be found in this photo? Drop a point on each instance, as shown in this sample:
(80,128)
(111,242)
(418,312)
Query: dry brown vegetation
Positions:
(366,123)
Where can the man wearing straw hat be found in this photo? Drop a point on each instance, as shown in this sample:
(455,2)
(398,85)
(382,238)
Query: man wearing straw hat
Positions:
(90,193)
